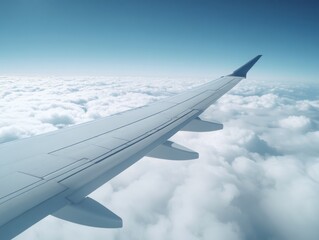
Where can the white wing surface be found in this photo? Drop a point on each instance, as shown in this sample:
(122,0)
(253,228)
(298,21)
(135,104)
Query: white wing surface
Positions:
(54,172)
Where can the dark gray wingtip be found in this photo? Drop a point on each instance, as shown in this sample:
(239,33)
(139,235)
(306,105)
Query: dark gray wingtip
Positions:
(242,71)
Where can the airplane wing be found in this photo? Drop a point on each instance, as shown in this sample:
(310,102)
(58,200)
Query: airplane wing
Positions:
(53,173)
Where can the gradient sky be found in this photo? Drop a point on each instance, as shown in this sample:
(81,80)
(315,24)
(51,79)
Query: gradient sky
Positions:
(159,38)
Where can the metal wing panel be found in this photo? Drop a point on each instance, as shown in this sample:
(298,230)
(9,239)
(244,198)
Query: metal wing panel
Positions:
(80,151)
(14,182)
(49,165)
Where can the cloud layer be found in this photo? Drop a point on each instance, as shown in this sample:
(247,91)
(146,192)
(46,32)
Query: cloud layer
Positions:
(255,179)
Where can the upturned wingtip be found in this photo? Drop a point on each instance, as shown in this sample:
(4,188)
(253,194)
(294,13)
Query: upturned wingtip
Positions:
(243,70)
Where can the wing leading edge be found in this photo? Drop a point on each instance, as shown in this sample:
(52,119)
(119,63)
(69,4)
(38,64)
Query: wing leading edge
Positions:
(54,172)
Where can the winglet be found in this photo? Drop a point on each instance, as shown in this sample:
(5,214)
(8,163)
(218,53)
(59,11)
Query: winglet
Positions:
(242,71)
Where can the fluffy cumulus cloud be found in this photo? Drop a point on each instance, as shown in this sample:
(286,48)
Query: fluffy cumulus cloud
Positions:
(255,179)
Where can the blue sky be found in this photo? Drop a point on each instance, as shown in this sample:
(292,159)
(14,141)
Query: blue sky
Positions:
(161,38)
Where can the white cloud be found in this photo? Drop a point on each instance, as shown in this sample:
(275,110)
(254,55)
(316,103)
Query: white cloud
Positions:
(295,123)
(255,179)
